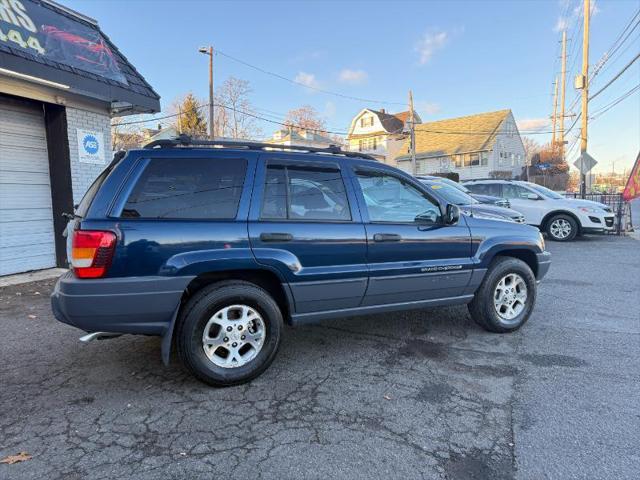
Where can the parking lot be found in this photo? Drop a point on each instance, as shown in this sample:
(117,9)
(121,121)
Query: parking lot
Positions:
(423,394)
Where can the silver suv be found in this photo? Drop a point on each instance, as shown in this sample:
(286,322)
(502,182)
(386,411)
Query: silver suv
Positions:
(560,217)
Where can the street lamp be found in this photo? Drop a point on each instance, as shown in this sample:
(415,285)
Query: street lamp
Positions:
(209,51)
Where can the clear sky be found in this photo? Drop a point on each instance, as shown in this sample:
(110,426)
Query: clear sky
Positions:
(459,57)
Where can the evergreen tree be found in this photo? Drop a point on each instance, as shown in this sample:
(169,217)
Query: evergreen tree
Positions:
(191,120)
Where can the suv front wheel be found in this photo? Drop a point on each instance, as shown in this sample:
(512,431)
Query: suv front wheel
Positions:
(505,299)
(562,228)
(229,333)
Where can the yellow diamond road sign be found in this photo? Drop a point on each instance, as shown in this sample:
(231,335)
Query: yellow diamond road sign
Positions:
(585,163)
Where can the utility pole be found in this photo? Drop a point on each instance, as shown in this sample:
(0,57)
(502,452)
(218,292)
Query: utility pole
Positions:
(562,91)
(209,51)
(585,93)
(179,119)
(412,133)
(555,112)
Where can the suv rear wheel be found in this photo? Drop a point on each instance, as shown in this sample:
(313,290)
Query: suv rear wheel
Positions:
(229,333)
(562,228)
(505,299)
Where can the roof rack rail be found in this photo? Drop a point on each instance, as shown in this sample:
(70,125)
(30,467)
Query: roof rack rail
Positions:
(489,178)
(186,140)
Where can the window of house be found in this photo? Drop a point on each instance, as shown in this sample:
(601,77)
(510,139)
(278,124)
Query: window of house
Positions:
(390,199)
(196,188)
(366,121)
(297,193)
(360,145)
(457,161)
(471,159)
(484,159)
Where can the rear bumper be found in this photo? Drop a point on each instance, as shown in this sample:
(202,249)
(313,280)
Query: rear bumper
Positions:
(143,305)
(544,263)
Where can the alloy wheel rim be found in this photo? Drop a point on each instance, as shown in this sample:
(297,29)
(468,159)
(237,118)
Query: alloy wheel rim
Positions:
(233,336)
(510,297)
(560,228)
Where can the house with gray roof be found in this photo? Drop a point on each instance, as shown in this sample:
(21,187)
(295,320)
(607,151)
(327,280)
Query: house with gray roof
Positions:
(474,146)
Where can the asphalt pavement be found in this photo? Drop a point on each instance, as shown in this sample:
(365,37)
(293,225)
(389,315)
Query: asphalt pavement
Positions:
(423,394)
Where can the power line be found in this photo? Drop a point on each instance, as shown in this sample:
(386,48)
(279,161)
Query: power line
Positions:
(616,45)
(311,87)
(615,102)
(615,77)
(603,64)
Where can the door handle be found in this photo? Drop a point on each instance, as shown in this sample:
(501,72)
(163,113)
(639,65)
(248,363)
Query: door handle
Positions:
(386,237)
(276,237)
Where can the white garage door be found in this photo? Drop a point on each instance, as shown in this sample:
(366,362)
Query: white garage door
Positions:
(26,220)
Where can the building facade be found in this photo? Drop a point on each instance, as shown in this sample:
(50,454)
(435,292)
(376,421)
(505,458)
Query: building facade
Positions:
(476,146)
(61,82)
(378,133)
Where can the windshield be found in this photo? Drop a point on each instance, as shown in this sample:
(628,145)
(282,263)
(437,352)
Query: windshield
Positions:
(545,191)
(455,184)
(451,194)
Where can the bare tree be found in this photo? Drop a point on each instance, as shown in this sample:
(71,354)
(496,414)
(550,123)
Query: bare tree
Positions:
(125,137)
(531,147)
(305,118)
(235,115)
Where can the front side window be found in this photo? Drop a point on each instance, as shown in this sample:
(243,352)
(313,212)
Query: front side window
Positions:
(297,193)
(546,192)
(510,190)
(390,199)
(195,188)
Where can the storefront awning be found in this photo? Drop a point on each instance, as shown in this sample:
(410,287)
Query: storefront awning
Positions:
(40,39)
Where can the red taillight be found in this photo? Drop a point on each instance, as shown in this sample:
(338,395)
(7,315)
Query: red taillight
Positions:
(91,252)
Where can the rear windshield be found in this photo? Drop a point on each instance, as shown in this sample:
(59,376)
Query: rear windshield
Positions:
(85,203)
(196,188)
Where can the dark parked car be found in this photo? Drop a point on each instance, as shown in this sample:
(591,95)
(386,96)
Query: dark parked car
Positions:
(489,199)
(469,205)
(214,248)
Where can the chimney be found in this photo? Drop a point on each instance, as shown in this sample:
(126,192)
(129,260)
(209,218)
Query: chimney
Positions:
(382,110)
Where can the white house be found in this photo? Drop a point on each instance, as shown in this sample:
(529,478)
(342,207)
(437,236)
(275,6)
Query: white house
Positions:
(476,146)
(378,133)
(306,138)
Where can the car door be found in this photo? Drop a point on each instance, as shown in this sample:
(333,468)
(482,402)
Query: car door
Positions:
(525,201)
(304,223)
(412,255)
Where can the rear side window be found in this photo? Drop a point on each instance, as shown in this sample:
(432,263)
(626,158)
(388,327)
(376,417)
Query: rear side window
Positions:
(295,193)
(195,188)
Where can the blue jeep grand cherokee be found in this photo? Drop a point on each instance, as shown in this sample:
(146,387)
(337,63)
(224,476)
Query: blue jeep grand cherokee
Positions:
(215,248)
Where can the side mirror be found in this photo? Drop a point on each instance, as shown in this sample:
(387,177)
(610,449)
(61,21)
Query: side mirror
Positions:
(533,196)
(452,214)
(429,217)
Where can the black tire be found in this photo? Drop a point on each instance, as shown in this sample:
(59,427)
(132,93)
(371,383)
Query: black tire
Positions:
(565,219)
(482,308)
(202,306)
